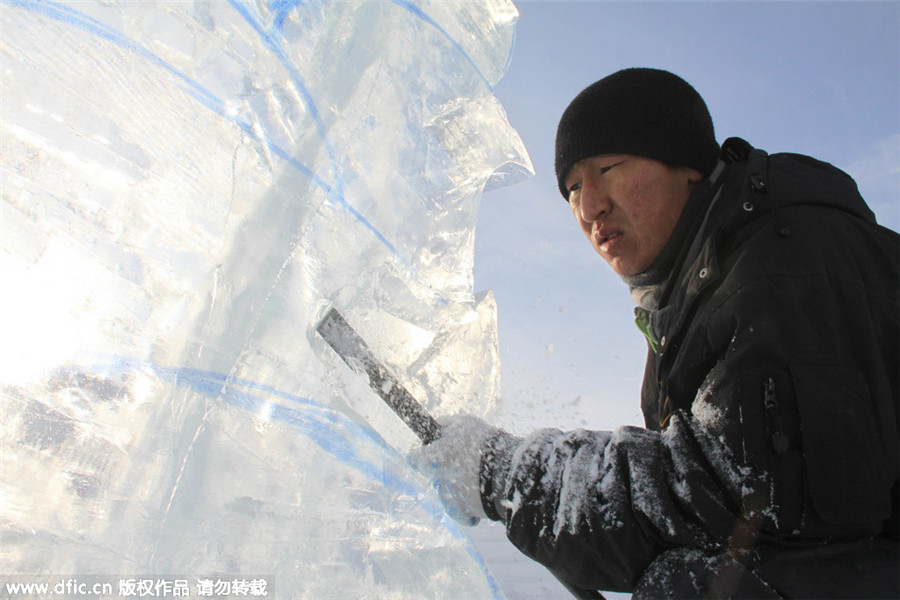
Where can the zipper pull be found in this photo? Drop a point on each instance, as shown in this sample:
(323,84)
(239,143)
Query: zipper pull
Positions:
(758,183)
(779,439)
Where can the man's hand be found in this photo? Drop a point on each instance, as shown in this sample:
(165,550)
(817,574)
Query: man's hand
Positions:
(453,462)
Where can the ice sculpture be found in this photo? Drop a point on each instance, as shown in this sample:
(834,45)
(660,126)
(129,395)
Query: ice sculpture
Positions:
(186,187)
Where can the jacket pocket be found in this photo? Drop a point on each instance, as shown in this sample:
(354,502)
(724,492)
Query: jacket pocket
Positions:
(845,463)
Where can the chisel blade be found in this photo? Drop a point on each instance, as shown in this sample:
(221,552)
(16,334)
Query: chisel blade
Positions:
(354,351)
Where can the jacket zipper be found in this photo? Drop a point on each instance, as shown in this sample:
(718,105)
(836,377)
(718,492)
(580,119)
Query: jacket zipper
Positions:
(770,402)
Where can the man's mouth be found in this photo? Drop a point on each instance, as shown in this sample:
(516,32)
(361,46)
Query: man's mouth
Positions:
(602,240)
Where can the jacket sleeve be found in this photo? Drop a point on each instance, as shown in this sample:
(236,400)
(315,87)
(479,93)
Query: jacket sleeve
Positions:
(597,507)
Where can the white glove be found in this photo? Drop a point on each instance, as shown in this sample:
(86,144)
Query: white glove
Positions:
(453,461)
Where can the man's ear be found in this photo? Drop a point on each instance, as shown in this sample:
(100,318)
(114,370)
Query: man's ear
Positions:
(694,176)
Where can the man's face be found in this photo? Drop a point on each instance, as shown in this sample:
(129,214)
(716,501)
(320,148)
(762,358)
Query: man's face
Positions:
(628,206)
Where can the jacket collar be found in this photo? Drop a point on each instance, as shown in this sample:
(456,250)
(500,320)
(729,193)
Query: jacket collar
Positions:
(746,185)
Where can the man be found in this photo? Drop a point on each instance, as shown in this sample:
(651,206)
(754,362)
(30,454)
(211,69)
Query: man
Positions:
(769,298)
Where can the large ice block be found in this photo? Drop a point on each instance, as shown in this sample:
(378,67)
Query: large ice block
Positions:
(186,188)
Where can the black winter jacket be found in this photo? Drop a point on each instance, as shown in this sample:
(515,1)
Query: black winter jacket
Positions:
(770,399)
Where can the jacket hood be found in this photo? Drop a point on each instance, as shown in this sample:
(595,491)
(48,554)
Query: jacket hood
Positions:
(750,193)
(796,179)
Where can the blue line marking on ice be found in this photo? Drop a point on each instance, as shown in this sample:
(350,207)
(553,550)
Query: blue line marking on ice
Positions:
(273,43)
(425,17)
(320,423)
(75,18)
(217,384)
(509,57)
(282,9)
(70,16)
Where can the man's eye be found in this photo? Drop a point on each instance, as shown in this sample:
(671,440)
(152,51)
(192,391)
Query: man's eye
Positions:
(608,167)
(574,187)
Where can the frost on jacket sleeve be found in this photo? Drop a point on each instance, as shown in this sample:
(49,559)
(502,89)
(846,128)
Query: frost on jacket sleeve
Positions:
(597,507)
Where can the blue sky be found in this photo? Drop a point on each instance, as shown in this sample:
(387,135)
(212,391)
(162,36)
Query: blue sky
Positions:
(819,78)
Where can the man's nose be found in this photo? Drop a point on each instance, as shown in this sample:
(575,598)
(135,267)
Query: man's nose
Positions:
(594,202)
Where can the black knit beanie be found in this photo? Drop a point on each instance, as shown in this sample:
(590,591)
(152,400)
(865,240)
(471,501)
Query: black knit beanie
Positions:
(644,112)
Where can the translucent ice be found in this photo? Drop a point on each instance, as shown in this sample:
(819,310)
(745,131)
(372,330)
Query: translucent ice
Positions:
(186,188)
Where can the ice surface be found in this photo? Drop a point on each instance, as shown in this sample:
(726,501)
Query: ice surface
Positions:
(186,189)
